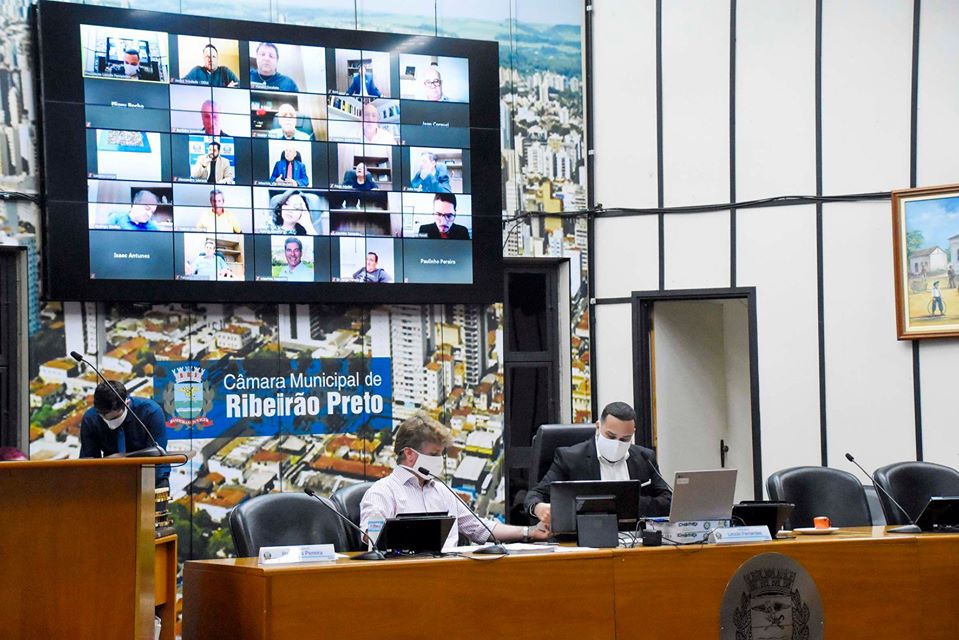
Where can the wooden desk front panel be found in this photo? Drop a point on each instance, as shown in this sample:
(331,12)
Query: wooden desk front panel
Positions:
(869,587)
(556,596)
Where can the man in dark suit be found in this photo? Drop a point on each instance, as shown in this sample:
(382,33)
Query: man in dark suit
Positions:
(608,455)
(444,212)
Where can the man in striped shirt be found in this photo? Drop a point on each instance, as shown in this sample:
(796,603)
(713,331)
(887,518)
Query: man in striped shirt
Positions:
(420,442)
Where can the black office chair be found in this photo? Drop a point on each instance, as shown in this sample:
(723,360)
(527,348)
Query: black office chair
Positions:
(347,500)
(912,484)
(284,519)
(548,438)
(821,491)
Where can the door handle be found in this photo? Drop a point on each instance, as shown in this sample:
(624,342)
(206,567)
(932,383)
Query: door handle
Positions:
(723,450)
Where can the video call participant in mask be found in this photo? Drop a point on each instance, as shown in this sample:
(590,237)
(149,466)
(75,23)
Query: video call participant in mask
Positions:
(606,456)
(130,67)
(266,74)
(210,72)
(444,212)
(108,427)
(213,167)
(140,215)
(421,441)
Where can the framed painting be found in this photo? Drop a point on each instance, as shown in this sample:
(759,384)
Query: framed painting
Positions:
(925,240)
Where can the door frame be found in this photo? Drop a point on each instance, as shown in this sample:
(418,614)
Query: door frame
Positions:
(642,307)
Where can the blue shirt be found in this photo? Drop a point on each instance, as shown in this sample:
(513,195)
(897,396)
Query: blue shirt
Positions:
(277,81)
(97,440)
(122,220)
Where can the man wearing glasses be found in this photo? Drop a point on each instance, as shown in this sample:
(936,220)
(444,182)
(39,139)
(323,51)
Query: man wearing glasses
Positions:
(110,428)
(444,212)
(433,85)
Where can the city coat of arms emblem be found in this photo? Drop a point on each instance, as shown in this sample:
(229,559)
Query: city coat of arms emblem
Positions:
(771,597)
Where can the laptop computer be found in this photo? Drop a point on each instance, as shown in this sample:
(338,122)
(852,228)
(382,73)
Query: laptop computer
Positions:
(415,533)
(941,513)
(703,495)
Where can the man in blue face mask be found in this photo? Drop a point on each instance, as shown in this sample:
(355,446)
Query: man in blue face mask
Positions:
(420,443)
(109,427)
(608,455)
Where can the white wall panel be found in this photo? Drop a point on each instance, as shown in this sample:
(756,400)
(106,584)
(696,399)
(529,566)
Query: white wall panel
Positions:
(613,373)
(624,103)
(938,361)
(866,79)
(775,98)
(938,126)
(869,398)
(695,102)
(697,250)
(626,256)
(776,253)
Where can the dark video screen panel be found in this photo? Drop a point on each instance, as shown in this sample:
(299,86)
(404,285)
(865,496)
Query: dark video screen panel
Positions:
(193,159)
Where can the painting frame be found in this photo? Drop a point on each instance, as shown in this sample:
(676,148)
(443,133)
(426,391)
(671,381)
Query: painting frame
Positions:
(926,274)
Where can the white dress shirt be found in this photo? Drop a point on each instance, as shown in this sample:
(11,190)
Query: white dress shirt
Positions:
(401,492)
(612,470)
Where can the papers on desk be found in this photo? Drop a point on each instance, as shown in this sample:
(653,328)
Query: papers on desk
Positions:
(519,548)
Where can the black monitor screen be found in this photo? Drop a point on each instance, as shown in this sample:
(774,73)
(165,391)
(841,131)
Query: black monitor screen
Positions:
(196,159)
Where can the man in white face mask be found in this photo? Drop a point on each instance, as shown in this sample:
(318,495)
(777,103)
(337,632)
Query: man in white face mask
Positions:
(109,426)
(608,455)
(420,443)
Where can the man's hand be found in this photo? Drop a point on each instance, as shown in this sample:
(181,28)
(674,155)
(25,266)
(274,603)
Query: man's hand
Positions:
(540,532)
(542,511)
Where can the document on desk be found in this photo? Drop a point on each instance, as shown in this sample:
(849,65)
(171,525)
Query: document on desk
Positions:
(514,548)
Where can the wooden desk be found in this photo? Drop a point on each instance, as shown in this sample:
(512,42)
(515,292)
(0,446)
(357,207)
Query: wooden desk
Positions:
(872,585)
(165,585)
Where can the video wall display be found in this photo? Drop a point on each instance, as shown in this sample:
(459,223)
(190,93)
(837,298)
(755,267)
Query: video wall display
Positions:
(232,160)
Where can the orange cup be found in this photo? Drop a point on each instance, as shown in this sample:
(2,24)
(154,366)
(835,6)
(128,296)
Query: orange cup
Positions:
(821,522)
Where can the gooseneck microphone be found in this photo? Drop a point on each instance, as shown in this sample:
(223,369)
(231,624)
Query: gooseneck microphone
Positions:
(149,452)
(375,554)
(912,527)
(497,548)
(652,466)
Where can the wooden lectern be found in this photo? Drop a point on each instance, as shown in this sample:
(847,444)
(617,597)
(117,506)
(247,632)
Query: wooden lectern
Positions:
(77,538)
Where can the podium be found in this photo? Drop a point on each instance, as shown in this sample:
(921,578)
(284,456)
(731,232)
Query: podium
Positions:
(78,543)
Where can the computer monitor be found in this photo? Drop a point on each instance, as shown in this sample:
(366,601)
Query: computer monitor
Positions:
(425,533)
(565,494)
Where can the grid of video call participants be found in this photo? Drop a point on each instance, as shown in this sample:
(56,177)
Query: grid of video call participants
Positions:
(233,160)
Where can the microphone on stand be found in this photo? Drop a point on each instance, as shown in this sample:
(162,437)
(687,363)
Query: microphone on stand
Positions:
(912,527)
(497,548)
(655,470)
(148,452)
(375,554)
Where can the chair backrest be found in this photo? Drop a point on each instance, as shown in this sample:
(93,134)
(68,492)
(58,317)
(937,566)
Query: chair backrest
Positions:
(912,484)
(347,500)
(821,491)
(284,519)
(875,507)
(548,438)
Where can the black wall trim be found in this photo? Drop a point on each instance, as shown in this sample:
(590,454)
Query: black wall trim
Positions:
(590,203)
(913,181)
(660,198)
(643,302)
(820,307)
(732,142)
(623,300)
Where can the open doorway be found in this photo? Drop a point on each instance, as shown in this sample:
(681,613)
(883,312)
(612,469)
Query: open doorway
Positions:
(697,389)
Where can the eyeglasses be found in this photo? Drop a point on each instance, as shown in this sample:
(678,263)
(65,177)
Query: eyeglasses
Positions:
(433,83)
(445,216)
